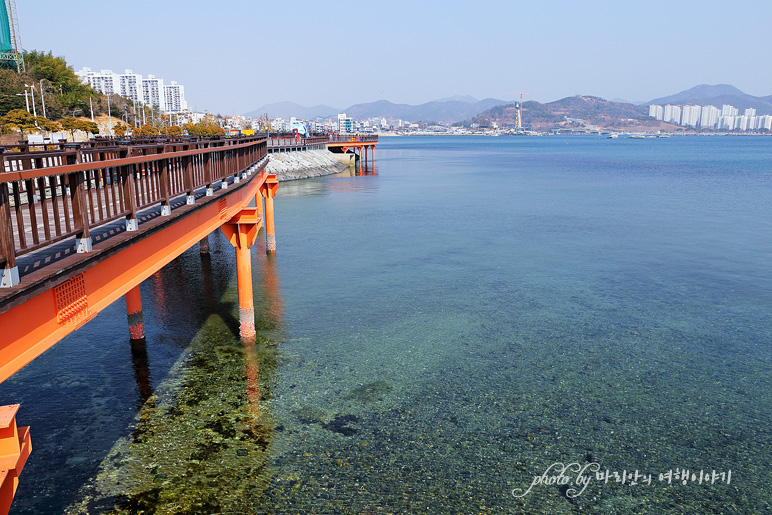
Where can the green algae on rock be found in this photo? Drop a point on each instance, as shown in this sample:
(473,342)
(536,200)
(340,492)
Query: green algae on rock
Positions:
(200,443)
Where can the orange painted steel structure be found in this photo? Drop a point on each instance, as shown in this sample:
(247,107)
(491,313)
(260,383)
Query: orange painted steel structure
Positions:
(134,314)
(15,447)
(360,143)
(105,200)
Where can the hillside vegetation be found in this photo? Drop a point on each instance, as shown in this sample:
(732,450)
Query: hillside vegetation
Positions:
(564,113)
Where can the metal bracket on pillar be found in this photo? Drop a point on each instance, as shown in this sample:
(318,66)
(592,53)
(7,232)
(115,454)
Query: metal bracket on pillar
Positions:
(83,245)
(166,210)
(10,277)
(210,192)
(15,448)
(236,178)
(190,200)
(132,224)
(224,184)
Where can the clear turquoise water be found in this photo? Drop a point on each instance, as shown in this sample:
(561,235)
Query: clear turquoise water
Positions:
(477,311)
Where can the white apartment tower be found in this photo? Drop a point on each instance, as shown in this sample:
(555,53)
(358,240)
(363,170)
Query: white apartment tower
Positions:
(672,114)
(103,81)
(129,85)
(728,110)
(709,117)
(174,96)
(690,115)
(153,91)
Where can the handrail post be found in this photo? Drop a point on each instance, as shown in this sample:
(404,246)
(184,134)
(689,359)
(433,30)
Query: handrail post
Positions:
(208,172)
(224,168)
(10,271)
(187,170)
(78,202)
(236,165)
(129,191)
(165,181)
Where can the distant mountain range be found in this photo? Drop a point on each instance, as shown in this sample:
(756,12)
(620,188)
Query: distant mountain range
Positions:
(289,109)
(593,110)
(717,95)
(446,110)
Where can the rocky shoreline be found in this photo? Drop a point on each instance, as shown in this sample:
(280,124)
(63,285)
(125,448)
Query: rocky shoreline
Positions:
(290,166)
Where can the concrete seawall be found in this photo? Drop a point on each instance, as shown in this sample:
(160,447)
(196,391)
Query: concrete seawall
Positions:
(289,166)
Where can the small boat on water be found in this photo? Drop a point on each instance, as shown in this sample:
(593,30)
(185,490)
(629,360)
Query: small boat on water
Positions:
(636,136)
(613,136)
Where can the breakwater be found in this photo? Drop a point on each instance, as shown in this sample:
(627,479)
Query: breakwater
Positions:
(289,166)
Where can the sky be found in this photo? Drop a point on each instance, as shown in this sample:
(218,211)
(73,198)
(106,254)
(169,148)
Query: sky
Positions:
(234,56)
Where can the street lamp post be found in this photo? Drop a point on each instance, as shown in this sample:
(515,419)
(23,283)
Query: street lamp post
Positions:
(109,116)
(42,98)
(26,97)
(32,91)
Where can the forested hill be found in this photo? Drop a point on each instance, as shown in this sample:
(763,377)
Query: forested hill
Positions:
(590,110)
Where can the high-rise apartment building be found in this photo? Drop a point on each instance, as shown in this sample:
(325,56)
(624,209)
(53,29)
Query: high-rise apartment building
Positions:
(103,81)
(174,96)
(129,85)
(690,115)
(709,117)
(728,110)
(656,111)
(669,115)
(153,91)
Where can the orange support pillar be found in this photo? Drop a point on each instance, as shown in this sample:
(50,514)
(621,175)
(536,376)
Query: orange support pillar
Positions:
(134,314)
(15,447)
(270,235)
(268,191)
(241,231)
(246,300)
(360,160)
(259,205)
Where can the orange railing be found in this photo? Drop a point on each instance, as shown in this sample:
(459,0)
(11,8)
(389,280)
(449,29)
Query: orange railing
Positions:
(353,138)
(289,142)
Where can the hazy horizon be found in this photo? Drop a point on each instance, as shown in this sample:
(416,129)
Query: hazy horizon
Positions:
(244,55)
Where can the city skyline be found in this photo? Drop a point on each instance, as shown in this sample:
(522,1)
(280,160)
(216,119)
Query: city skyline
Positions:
(410,53)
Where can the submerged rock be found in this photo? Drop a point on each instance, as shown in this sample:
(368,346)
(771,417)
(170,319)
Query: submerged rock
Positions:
(369,392)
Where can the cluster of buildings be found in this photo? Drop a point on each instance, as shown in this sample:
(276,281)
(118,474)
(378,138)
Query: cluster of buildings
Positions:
(150,90)
(341,124)
(710,117)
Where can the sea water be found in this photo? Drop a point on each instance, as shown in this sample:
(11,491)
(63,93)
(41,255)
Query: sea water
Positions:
(557,324)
